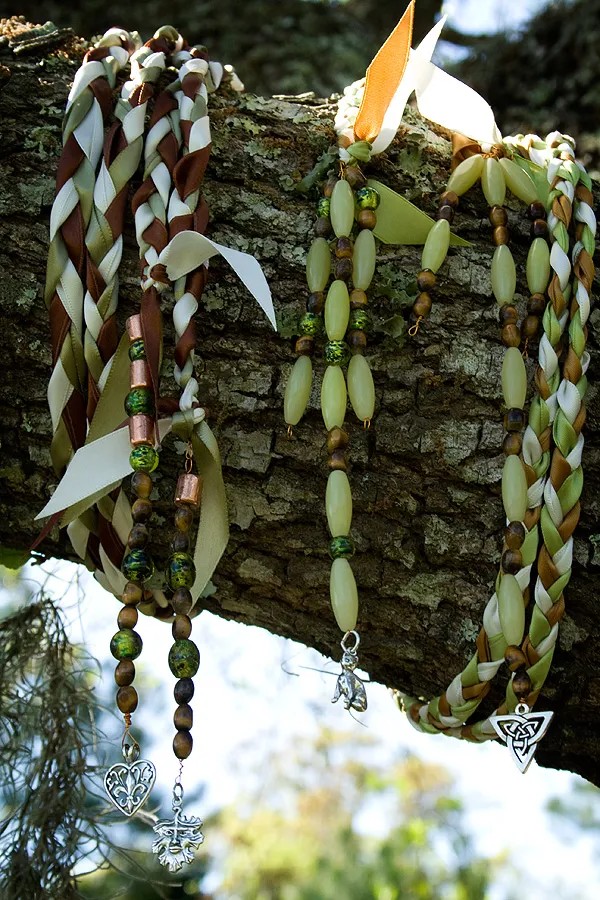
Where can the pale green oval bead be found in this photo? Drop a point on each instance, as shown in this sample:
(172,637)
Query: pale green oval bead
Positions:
(518,181)
(297,391)
(363,259)
(338,503)
(514,489)
(466,174)
(514,379)
(538,266)
(337,311)
(333,397)
(361,388)
(343,594)
(511,610)
(341,209)
(436,246)
(318,265)
(504,275)
(492,182)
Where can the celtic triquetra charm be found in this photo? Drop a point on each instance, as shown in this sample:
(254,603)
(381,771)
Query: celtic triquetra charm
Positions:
(521,731)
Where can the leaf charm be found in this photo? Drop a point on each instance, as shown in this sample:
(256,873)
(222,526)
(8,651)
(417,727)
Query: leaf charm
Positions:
(128,785)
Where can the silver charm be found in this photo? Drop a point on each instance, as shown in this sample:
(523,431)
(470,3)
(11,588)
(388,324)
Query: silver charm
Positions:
(349,686)
(128,784)
(521,731)
(179,836)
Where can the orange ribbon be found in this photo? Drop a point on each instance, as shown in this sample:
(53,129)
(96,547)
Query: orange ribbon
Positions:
(383,77)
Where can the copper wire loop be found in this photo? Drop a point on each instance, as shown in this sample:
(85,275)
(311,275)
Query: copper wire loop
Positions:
(414,328)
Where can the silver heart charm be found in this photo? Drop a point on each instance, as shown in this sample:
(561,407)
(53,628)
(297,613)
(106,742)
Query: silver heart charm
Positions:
(521,732)
(128,784)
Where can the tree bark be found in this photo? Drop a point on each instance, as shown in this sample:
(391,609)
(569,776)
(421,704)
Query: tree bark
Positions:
(425,478)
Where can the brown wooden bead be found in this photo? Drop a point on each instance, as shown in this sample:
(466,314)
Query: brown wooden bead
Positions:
(514,657)
(537,210)
(512,444)
(514,535)
(329,186)
(182,628)
(323,226)
(315,302)
(539,228)
(163,613)
(182,744)
(141,510)
(132,593)
(536,304)
(514,419)
(445,212)
(358,299)
(450,197)
(342,269)
(530,326)
(138,537)
(183,690)
(426,280)
(512,561)
(183,717)
(422,305)
(180,542)
(184,518)
(336,438)
(125,672)
(357,340)
(501,235)
(508,315)
(127,699)
(127,617)
(182,601)
(498,216)
(367,218)
(305,345)
(344,248)
(141,485)
(511,336)
(354,176)
(521,684)
(337,461)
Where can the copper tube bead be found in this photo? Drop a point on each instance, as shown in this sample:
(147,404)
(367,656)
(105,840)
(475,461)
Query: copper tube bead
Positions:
(139,374)
(189,490)
(141,430)
(134,328)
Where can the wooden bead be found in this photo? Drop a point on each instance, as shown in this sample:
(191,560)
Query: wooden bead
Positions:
(357,340)
(512,444)
(342,269)
(127,617)
(354,176)
(127,699)
(508,315)
(132,593)
(514,419)
(514,535)
(539,228)
(498,216)
(426,279)
(138,536)
(328,187)
(184,517)
(422,305)
(141,510)
(316,302)
(521,684)
(182,744)
(537,210)
(514,657)
(125,672)
(536,304)
(501,235)
(344,248)
(180,543)
(182,628)
(511,336)
(323,226)
(337,461)
(183,717)
(304,346)
(367,218)
(141,485)
(358,299)
(512,561)
(450,197)
(445,212)
(183,690)
(530,326)
(181,601)
(337,438)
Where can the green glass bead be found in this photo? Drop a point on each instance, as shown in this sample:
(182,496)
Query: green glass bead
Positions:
(184,659)
(126,644)
(511,609)
(181,571)
(504,275)
(342,209)
(143,459)
(466,174)
(333,399)
(518,181)
(323,207)
(139,401)
(360,320)
(343,594)
(361,389)
(310,323)
(137,350)
(514,379)
(297,391)
(318,265)
(367,198)
(337,353)
(538,266)
(338,504)
(341,547)
(514,489)
(337,311)
(137,566)
(493,182)
(364,259)
(436,246)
